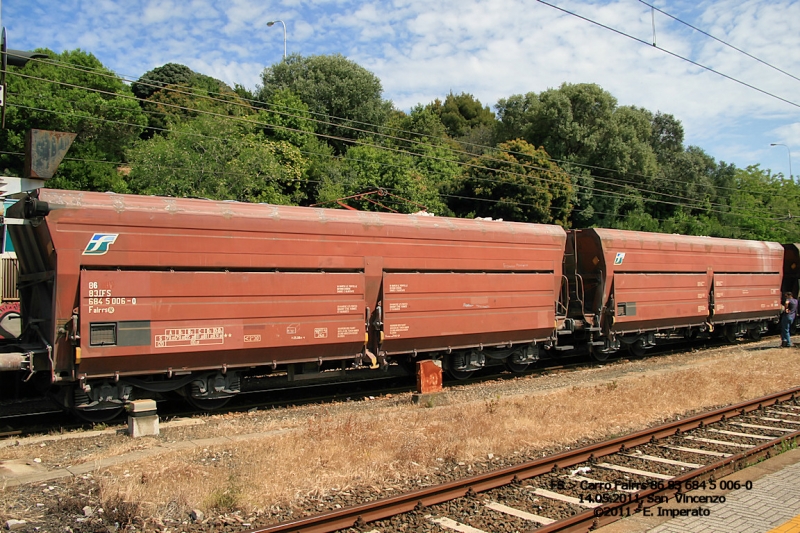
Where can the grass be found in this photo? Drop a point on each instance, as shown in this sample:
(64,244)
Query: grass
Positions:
(382,444)
(785,446)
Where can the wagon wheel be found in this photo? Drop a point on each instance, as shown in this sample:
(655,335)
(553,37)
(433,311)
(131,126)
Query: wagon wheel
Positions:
(70,396)
(97,416)
(207,404)
(636,348)
(454,360)
(754,334)
(730,334)
(460,374)
(516,368)
(601,356)
(204,404)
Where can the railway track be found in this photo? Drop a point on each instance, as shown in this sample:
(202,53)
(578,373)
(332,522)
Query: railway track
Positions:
(40,415)
(583,489)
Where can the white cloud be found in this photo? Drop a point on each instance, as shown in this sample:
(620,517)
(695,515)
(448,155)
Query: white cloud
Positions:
(159,10)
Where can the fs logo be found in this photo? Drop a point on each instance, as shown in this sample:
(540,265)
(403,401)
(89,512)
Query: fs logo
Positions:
(617,260)
(99,243)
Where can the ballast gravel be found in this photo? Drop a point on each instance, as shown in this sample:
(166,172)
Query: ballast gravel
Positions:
(73,505)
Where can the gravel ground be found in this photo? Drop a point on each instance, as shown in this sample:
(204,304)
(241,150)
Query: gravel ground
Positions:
(73,505)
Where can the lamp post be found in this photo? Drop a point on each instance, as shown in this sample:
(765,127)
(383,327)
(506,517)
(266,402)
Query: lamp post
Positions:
(270,24)
(790,156)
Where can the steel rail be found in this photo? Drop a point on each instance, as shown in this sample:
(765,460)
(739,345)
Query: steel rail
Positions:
(608,513)
(387,507)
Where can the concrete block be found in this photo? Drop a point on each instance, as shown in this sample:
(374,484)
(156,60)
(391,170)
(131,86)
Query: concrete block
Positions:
(142,418)
(143,426)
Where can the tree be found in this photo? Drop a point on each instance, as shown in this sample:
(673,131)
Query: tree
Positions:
(344,97)
(667,134)
(763,206)
(73,93)
(154,80)
(217,158)
(174,92)
(606,147)
(462,113)
(423,126)
(513,114)
(422,133)
(368,168)
(516,182)
(287,118)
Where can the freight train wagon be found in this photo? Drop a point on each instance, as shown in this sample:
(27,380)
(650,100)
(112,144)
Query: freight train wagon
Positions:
(126,295)
(631,287)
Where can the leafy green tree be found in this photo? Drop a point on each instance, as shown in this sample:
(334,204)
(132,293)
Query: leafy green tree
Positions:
(73,92)
(462,113)
(217,158)
(763,206)
(422,133)
(517,182)
(423,126)
(286,118)
(175,92)
(369,168)
(606,147)
(154,80)
(667,134)
(342,95)
(513,114)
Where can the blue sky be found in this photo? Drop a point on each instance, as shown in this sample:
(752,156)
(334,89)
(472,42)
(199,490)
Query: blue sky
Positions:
(422,50)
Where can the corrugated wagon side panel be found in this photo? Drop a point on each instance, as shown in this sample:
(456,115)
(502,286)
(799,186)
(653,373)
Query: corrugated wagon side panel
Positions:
(740,296)
(439,310)
(128,316)
(666,298)
(161,246)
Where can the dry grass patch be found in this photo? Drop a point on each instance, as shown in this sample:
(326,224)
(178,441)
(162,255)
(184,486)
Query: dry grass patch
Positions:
(338,449)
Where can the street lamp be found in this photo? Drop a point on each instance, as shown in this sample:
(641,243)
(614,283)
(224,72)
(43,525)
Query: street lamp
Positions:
(270,24)
(790,156)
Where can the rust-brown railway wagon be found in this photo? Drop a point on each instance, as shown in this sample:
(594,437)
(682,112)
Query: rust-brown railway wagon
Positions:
(161,292)
(634,284)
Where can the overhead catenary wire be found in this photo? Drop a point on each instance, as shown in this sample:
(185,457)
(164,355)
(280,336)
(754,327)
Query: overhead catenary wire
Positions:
(442,195)
(500,171)
(597,192)
(466,164)
(453,196)
(190,91)
(597,179)
(695,28)
(669,52)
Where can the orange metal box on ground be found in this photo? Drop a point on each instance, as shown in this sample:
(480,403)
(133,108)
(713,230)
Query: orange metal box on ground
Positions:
(151,284)
(429,377)
(640,281)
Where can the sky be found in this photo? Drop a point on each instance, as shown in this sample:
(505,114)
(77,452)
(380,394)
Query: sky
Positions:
(492,49)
